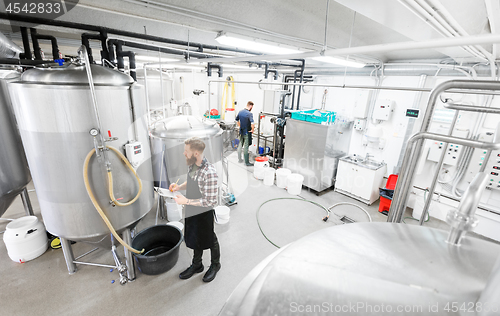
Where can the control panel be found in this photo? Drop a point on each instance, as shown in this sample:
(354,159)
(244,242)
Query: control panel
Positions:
(453,153)
(479,159)
(135,154)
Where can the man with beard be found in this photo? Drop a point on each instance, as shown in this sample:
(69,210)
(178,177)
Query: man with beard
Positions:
(200,200)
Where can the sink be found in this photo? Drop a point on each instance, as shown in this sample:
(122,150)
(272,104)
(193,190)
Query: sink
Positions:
(369,164)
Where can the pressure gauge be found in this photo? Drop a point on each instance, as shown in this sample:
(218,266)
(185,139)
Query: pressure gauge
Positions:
(94,132)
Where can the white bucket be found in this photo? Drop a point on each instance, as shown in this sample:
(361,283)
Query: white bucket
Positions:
(282,176)
(222,214)
(294,183)
(230,115)
(176,224)
(259,167)
(25,239)
(253,149)
(269,176)
(174,211)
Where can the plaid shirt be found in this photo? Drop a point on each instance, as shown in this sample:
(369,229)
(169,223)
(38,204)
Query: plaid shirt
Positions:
(207,178)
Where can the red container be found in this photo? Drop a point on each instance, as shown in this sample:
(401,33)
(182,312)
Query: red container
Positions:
(385,203)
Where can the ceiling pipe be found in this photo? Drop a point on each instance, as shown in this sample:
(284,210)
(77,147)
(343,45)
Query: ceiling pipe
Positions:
(94,28)
(432,18)
(379,48)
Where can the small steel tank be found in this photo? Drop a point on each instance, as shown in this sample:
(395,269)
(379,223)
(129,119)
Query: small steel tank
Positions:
(55,113)
(14,172)
(167,146)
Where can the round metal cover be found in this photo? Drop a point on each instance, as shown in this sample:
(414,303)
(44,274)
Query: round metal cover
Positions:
(76,75)
(367,269)
(184,126)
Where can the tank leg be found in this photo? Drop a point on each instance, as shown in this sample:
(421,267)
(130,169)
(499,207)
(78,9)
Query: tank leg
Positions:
(68,255)
(163,211)
(27,202)
(129,258)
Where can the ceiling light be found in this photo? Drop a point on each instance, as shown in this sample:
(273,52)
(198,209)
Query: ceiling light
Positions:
(339,61)
(154,58)
(236,66)
(254,45)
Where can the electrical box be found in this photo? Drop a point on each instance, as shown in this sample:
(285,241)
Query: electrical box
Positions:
(383,110)
(359,124)
(134,153)
(453,151)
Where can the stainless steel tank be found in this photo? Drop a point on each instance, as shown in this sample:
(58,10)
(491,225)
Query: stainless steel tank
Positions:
(167,146)
(14,172)
(159,91)
(371,269)
(55,113)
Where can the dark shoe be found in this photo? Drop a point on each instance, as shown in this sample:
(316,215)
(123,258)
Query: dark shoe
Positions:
(211,273)
(189,272)
(247,160)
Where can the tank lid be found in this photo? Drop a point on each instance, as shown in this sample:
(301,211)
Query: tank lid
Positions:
(184,126)
(75,74)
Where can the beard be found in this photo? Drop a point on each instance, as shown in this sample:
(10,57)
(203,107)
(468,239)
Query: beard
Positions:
(191,160)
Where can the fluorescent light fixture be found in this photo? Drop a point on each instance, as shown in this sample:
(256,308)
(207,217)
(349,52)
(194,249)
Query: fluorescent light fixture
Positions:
(236,66)
(254,45)
(154,59)
(339,61)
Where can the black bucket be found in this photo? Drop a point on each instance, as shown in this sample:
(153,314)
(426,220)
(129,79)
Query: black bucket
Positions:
(161,248)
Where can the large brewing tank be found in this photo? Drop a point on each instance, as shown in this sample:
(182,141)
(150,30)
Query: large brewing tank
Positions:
(167,146)
(14,172)
(371,269)
(159,91)
(55,113)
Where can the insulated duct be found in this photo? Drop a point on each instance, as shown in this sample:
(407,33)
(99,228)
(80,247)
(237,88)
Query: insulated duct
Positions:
(8,49)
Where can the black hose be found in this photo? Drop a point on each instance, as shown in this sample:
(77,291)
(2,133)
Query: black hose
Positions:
(26,44)
(36,45)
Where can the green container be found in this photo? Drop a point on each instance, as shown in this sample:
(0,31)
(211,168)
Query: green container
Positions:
(326,116)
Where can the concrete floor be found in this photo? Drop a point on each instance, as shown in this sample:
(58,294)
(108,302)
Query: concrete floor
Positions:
(43,286)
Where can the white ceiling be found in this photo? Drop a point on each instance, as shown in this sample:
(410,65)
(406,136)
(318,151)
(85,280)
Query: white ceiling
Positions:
(297,23)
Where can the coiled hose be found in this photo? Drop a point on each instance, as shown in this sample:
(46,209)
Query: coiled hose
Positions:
(111,194)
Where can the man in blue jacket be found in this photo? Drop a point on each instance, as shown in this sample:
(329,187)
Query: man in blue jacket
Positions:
(247,126)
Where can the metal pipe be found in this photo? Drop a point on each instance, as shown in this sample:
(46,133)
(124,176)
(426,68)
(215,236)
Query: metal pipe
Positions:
(463,220)
(333,86)
(36,46)
(90,27)
(28,209)
(129,259)
(464,107)
(95,264)
(68,255)
(26,44)
(147,95)
(414,151)
(82,51)
(444,152)
(87,253)
(303,66)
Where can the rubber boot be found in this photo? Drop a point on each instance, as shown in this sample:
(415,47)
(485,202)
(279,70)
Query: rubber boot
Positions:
(247,161)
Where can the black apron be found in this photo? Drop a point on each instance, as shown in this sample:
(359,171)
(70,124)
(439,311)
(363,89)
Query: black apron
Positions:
(199,221)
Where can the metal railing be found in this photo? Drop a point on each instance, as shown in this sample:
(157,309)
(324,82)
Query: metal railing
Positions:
(416,143)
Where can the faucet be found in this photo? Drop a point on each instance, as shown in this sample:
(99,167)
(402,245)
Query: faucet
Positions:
(368,156)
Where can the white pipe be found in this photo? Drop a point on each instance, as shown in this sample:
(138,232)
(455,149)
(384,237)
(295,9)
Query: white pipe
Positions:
(442,27)
(443,13)
(371,49)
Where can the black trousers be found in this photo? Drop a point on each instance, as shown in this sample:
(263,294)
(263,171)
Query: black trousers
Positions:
(214,253)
